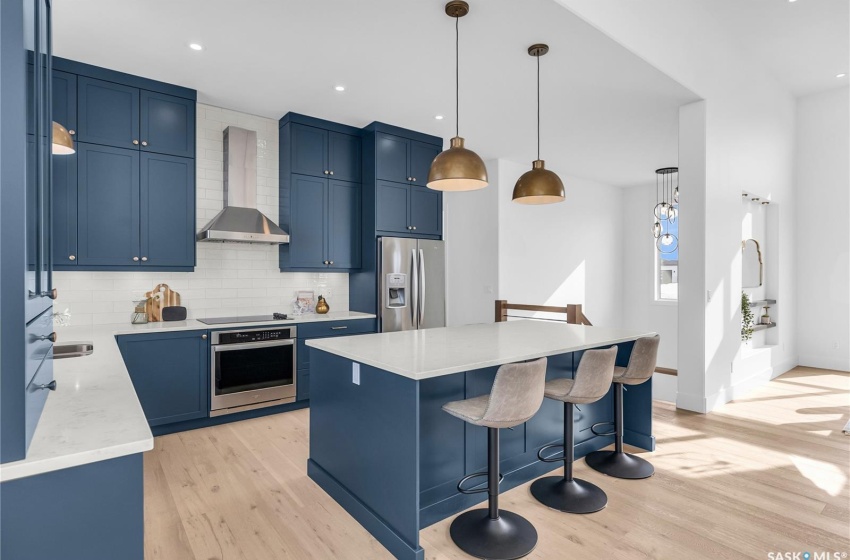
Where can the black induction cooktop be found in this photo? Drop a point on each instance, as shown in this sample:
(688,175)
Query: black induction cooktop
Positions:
(243,319)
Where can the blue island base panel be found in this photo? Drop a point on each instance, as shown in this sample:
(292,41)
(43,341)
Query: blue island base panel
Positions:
(90,512)
(383,448)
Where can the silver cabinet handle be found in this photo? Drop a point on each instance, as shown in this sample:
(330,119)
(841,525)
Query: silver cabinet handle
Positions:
(203,337)
(49,386)
(135,142)
(409,227)
(52,294)
(72,257)
(330,262)
(338,328)
(144,259)
(414,227)
(410,178)
(72,132)
(327,172)
(331,172)
(324,262)
(51,337)
(144,143)
(136,259)
(414,179)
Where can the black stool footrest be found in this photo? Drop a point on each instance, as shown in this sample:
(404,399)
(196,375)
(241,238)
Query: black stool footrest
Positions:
(611,433)
(550,459)
(463,490)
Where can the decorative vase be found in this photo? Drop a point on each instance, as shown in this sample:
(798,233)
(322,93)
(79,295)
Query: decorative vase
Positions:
(765,319)
(322,306)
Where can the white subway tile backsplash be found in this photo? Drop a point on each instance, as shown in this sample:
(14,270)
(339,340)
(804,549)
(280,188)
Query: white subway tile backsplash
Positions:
(229,279)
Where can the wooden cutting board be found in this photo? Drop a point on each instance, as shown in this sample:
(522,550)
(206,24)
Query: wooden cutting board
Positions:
(161,296)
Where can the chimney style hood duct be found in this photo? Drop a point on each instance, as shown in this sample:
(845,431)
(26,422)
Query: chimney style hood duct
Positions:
(240,221)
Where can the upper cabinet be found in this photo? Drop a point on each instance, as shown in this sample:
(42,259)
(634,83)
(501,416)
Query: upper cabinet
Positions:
(117,115)
(320,152)
(398,161)
(126,199)
(320,195)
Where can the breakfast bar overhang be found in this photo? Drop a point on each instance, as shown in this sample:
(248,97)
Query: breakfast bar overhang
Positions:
(382,447)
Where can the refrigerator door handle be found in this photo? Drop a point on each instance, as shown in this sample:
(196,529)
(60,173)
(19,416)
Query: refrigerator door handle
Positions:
(414,282)
(421,288)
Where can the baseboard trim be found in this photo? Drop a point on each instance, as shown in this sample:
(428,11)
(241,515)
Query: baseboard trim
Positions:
(821,362)
(744,386)
(689,401)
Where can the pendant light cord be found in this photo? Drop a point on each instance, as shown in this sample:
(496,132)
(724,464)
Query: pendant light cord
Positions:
(457,77)
(538,106)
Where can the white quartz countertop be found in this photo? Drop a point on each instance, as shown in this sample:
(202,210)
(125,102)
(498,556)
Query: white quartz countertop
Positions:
(94,413)
(422,354)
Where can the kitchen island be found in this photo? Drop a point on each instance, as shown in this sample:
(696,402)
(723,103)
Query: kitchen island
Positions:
(382,447)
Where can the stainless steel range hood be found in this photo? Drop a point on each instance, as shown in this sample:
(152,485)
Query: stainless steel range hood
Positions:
(240,221)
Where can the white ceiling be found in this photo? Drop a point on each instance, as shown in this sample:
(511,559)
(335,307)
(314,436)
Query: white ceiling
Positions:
(804,44)
(607,115)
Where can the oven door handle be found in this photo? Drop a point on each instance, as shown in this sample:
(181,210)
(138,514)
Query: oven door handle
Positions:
(252,345)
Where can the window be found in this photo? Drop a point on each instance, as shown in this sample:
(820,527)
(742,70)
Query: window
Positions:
(667,265)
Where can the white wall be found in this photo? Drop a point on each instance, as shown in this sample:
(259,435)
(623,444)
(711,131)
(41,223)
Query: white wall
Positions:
(748,133)
(471,232)
(822,210)
(229,279)
(563,253)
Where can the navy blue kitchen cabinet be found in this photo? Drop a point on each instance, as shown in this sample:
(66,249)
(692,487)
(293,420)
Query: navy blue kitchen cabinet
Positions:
(403,160)
(126,200)
(320,195)
(108,205)
(393,205)
(167,124)
(167,210)
(170,372)
(426,211)
(64,105)
(108,113)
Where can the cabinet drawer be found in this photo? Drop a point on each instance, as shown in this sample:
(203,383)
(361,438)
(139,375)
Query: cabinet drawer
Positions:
(336,328)
(37,345)
(36,397)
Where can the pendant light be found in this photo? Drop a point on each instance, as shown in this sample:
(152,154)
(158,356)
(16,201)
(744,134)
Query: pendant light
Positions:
(538,186)
(457,169)
(666,209)
(63,144)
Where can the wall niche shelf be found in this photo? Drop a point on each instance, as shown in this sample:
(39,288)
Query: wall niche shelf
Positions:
(762,302)
(761,327)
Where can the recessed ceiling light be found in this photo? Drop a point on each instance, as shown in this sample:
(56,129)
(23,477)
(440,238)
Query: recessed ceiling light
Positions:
(339,88)
(196,47)
(792,0)
(841,75)
(438,117)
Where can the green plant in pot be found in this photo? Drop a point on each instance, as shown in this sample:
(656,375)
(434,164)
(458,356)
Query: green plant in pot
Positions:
(747,318)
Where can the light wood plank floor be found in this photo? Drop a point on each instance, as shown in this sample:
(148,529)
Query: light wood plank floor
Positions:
(765,473)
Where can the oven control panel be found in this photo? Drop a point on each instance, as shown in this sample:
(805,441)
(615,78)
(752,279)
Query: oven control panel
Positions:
(259,335)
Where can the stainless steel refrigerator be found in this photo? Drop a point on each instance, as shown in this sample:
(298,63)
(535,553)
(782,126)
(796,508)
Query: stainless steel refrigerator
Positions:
(411,284)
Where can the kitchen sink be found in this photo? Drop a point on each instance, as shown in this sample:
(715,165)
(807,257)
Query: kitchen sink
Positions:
(72,350)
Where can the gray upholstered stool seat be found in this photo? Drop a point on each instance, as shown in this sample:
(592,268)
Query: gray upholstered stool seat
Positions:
(641,366)
(516,396)
(590,383)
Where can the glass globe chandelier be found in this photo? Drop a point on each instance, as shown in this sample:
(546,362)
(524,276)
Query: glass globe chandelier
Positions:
(666,208)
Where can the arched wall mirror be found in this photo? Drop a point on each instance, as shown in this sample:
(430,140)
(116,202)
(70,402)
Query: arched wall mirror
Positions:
(753,266)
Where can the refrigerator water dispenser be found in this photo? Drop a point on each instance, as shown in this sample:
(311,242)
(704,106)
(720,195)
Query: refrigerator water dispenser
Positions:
(396,290)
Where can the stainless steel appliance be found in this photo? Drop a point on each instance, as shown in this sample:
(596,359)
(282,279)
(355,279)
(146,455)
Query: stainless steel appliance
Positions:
(252,368)
(411,284)
(243,319)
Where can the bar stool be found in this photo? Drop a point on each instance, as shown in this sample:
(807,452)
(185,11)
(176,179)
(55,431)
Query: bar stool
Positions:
(590,383)
(516,396)
(641,367)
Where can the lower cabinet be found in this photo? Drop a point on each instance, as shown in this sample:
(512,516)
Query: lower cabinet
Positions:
(170,372)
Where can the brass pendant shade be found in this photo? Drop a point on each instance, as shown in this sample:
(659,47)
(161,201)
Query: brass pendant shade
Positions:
(63,144)
(540,185)
(458,168)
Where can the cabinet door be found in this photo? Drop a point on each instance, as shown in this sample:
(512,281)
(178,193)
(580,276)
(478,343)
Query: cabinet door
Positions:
(426,210)
(307,242)
(108,113)
(167,205)
(64,100)
(108,205)
(391,158)
(309,150)
(421,156)
(393,201)
(167,124)
(344,224)
(65,210)
(344,157)
(170,373)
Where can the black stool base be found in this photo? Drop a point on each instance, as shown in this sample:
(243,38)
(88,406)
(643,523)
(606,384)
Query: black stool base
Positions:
(619,465)
(508,537)
(570,496)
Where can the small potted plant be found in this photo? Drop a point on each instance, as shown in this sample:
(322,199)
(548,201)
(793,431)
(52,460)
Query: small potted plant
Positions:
(747,318)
